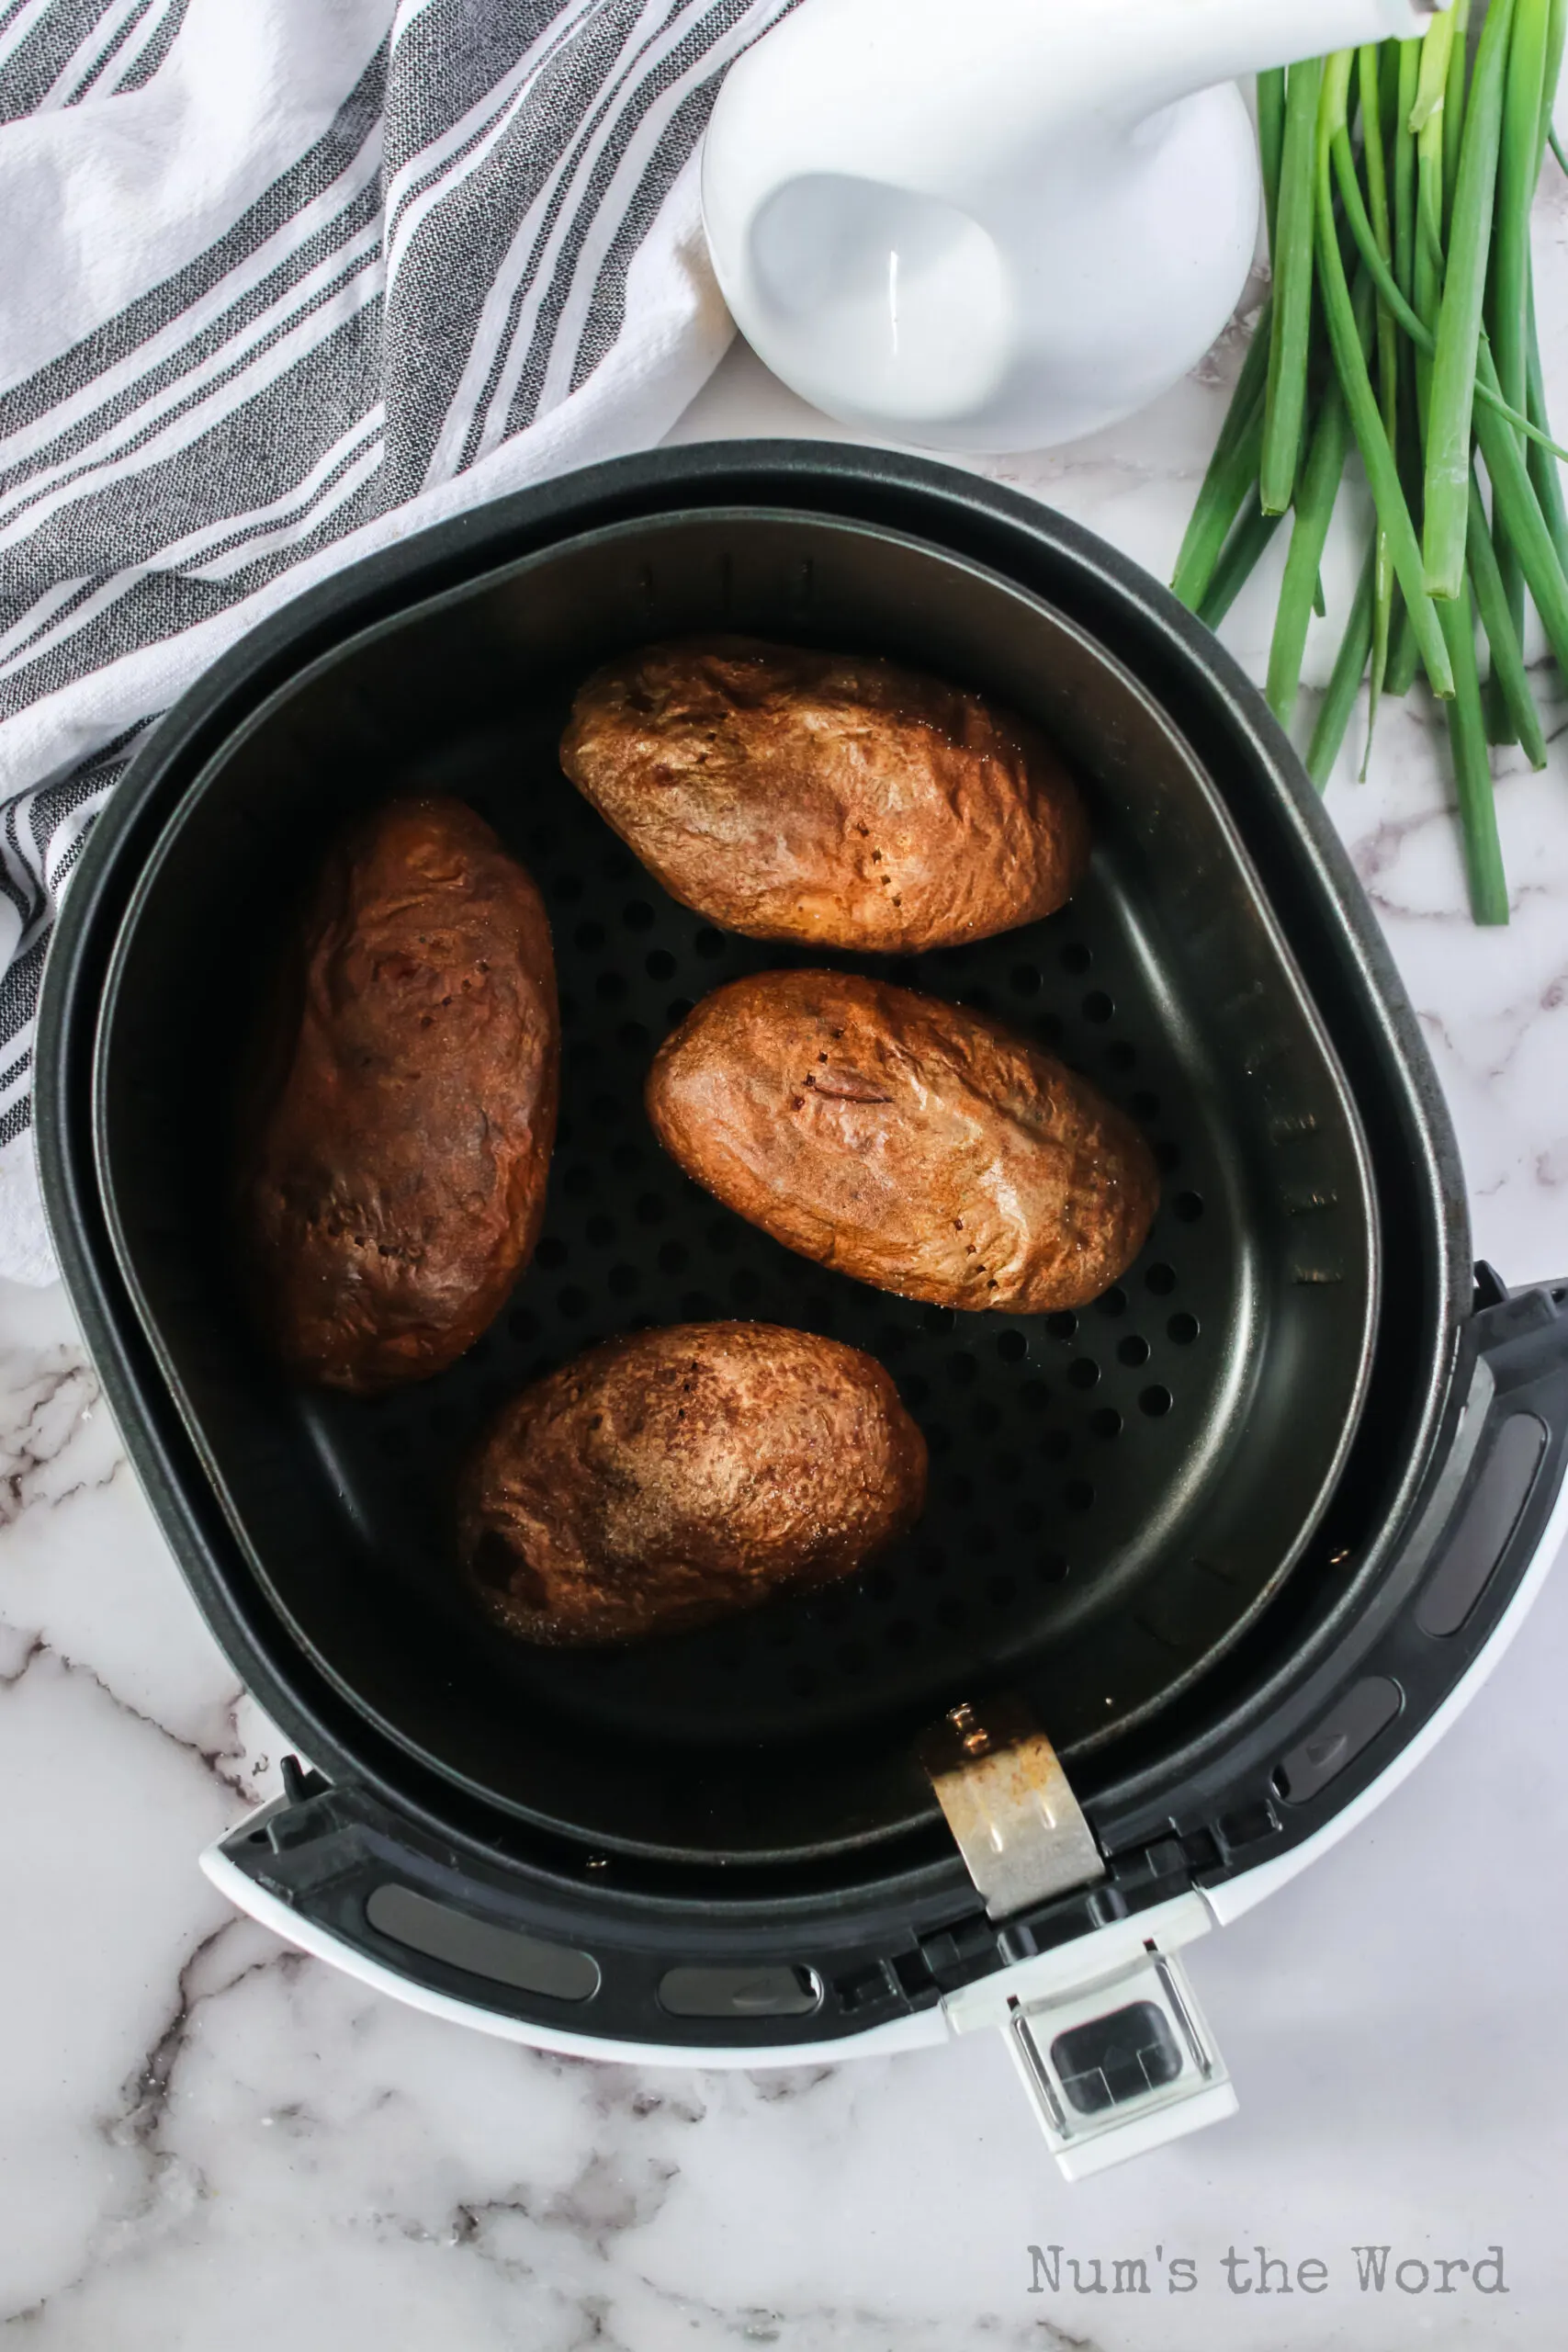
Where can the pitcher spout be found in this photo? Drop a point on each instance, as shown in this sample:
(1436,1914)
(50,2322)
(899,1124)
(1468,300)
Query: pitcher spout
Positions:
(999,225)
(1167,50)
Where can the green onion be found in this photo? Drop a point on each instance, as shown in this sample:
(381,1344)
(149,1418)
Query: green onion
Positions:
(1429,368)
(1436,46)
(1344,685)
(1426,122)
(1453,104)
(1383,475)
(1377,189)
(1244,550)
(1271,142)
(1459,319)
(1286,406)
(1544,477)
(1300,592)
(1509,675)
(1315,494)
(1405,166)
(1230,476)
(1232,472)
(1519,168)
(1404,658)
(1393,293)
(1251,379)
(1466,714)
(1369,78)
(1556,37)
(1473,769)
(1520,509)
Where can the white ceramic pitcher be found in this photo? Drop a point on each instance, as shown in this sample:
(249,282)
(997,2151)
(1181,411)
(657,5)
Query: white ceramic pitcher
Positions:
(1000,224)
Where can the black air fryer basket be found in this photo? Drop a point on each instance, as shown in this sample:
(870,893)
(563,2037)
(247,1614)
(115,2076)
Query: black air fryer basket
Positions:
(1230,1535)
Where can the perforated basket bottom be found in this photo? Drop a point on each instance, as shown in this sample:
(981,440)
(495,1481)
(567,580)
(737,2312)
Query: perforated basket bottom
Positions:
(1062,1448)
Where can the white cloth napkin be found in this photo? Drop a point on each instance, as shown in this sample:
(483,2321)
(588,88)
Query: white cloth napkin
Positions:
(280,281)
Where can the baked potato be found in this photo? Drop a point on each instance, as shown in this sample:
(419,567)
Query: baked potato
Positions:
(674,1477)
(397,1140)
(833,798)
(903,1141)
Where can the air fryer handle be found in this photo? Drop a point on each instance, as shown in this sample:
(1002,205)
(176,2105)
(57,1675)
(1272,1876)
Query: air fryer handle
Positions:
(507,1947)
(1512,1477)
(1490,1531)
(1471,1559)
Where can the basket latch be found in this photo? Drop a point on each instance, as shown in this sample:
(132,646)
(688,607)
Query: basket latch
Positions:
(1105,2029)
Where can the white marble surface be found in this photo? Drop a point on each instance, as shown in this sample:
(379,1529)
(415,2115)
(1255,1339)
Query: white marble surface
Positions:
(205,2141)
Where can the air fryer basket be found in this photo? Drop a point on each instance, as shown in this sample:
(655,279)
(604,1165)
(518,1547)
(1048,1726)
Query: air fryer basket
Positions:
(1115,1496)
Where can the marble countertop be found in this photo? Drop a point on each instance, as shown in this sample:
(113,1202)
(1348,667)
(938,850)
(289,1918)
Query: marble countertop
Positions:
(206,2140)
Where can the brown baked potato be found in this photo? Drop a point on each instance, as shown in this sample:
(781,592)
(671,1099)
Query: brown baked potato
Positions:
(828,798)
(674,1477)
(397,1143)
(903,1141)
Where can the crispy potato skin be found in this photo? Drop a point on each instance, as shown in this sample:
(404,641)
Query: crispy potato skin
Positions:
(392,1180)
(903,1141)
(835,799)
(675,1477)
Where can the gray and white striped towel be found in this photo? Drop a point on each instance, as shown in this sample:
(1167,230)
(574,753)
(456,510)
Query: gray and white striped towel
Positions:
(280,281)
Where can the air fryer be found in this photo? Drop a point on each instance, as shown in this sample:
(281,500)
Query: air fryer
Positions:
(1205,1566)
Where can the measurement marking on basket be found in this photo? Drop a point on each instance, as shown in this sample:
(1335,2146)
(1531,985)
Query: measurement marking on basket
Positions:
(1291,1126)
(1317,1274)
(1302,1204)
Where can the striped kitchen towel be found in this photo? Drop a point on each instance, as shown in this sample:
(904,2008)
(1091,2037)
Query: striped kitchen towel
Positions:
(280,281)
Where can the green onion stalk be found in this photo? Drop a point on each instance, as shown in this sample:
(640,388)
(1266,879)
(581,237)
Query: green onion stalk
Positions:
(1401,333)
